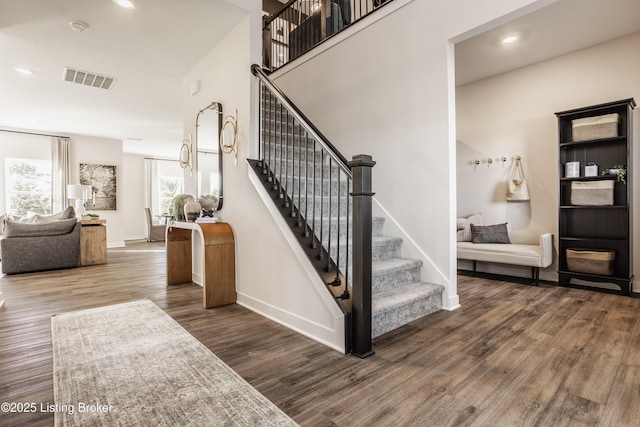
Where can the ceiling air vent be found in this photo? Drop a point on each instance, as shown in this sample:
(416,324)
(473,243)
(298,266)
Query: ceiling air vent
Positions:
(88,78)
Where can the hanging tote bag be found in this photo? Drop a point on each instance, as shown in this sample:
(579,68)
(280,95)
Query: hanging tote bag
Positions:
(517,189)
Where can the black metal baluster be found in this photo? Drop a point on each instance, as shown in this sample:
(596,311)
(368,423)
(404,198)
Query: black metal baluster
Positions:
(321,201)
(313,199)
(278,185)
(328,266)
(285,184)
(336,281)
(306,184)
(267,115)
(345,294)
(293,211)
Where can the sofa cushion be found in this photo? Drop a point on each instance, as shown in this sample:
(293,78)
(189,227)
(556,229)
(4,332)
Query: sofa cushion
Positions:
(463,226)
(17,229)
(496,233)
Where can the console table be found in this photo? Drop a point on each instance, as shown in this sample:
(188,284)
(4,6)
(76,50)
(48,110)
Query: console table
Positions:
(93,242)
(203,254)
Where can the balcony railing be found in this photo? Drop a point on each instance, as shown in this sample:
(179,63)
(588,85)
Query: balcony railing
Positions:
(302,24)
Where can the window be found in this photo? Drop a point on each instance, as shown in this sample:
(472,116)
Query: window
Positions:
(27,186)
(170,186)
(164,181)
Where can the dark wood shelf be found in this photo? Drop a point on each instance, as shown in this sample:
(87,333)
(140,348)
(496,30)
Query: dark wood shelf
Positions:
(592,239)
(594,207)
(608,227)
(622,139)
(590,178)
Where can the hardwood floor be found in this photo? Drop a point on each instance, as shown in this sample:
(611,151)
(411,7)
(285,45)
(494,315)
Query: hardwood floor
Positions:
(513,355)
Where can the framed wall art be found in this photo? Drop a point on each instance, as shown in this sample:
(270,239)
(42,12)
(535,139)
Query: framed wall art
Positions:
(102,179)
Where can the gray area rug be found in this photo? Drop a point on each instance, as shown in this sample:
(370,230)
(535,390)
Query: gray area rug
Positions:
(132,365)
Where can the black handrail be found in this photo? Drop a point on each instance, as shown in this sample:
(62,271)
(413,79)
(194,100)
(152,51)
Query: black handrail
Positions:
(304,121)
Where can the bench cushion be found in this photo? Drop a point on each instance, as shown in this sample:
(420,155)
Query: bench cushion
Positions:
(518,254)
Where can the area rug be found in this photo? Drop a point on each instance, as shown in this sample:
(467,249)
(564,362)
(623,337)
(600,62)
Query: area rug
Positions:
(133,365)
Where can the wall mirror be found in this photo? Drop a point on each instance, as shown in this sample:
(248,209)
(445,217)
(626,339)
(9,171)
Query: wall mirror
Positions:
(208,159)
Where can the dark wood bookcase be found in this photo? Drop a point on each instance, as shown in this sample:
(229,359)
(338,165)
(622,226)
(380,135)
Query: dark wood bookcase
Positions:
(597,227)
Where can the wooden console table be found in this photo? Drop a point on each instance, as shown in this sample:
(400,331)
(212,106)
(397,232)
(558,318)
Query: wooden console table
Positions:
(204,254)
(93,242)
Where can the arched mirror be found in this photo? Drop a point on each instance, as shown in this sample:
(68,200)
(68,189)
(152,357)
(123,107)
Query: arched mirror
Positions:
(207,152)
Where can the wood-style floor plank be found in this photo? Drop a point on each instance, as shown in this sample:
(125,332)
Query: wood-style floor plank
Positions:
(513,355)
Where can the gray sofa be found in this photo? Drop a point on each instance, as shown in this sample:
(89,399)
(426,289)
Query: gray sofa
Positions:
(36,247)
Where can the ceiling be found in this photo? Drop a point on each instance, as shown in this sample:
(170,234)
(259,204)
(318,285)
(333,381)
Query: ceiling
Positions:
(148,50)
(560,28)
(151,48)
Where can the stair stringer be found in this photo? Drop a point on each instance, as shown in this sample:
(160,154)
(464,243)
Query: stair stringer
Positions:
(429,272)
(333,335)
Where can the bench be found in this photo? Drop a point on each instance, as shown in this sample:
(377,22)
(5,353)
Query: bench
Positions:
(528,255)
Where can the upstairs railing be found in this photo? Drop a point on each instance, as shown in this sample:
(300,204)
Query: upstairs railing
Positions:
(302,24)
(326,201)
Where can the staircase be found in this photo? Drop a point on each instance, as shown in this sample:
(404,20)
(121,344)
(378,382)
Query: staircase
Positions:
(311,188)
(398,295)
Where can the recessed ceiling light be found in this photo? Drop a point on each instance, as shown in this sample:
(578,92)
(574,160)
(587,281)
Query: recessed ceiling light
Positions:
(24,71)
(509,39)
(127,4)
(78,26)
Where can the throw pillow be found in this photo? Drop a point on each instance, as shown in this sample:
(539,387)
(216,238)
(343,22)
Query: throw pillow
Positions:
(490,233)
(69,212)
(464,227)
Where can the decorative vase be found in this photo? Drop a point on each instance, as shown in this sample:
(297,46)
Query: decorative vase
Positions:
(192,210)
(178,205)
(209,205)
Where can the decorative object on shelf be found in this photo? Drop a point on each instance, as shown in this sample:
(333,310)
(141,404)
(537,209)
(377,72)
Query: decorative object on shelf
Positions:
(177,204)
(591,169)
(102,179)
(591,261)
(572,170)
(517,188)
(91,216)
(192,210)
(185,154)
(598,127)
(229,136)
(209,205)
(619,170)
(592,193)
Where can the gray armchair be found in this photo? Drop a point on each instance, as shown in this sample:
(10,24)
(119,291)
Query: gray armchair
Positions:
(156,231)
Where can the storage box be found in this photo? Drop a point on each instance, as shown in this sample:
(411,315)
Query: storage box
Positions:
(591,261)
(591,170)
(597,127)
(572,169)
(592,193)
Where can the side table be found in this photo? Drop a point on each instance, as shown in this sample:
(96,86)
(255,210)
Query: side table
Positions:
(93,242)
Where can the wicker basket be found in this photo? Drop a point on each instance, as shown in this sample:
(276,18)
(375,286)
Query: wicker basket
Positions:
(597,127)
(591,261)
(592,193)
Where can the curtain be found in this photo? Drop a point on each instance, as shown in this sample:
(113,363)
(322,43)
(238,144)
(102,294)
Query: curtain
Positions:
(60,172)
(152,202)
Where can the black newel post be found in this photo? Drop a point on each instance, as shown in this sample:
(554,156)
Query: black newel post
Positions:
(361,285)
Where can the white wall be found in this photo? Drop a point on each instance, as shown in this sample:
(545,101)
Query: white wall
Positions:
(90,149)
(133,197)
(513,113)
(388,90)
